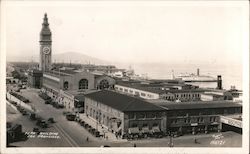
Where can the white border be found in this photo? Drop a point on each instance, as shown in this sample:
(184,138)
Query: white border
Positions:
(244,149)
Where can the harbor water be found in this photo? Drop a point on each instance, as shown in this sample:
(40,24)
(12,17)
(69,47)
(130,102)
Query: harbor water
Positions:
(231,75)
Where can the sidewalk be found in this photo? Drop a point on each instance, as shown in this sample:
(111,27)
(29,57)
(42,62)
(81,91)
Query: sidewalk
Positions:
(104,130)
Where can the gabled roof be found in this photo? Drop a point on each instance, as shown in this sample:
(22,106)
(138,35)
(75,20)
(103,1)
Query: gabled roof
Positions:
(122,102)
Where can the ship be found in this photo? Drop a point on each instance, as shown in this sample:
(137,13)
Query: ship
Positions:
(187,77)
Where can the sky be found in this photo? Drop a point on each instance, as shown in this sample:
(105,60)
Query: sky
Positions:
(131,32)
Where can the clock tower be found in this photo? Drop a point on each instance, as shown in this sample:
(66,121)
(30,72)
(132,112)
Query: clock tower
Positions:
(45,46)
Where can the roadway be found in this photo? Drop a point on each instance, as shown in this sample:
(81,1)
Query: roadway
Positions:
(70,131)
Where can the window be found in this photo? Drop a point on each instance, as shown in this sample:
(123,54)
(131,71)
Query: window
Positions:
(188,120)
(131,116)
(121,89)
(83,84)
(131,91)
(212,119)
(150,96)
(134,125)
(155,124)
(104,84)
(125,90)
(65,85)
(141,115)
(143,94)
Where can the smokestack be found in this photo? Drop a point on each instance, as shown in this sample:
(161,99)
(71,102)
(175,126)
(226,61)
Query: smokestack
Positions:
(198,72)
(219,82)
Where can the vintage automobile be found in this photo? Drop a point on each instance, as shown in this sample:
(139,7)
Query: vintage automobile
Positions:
(42,123)
(70,117)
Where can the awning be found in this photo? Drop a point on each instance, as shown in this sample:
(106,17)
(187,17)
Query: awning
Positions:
(145,130)
(156,129)
(134,130)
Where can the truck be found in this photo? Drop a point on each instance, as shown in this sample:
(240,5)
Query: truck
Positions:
(15,134)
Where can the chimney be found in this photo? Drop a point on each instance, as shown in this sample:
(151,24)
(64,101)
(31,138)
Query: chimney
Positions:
(219,82)
(198,72)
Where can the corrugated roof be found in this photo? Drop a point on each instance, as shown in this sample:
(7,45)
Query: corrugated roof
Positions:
(157,89)
(122,102)
(199,105)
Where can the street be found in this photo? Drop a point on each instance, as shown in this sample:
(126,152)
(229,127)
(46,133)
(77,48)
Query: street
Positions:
(71,134)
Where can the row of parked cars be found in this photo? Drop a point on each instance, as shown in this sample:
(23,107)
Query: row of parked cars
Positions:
(34,117)
(72,117)
(88,127)
(20,97)
(41,122)
(49,100)
(19,108)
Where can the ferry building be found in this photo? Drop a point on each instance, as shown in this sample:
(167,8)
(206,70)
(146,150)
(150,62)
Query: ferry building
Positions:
(65,85)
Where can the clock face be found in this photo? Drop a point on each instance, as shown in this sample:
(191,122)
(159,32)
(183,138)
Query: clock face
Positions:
(46,50)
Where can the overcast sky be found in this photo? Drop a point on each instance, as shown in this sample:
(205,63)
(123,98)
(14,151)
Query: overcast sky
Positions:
(131,32)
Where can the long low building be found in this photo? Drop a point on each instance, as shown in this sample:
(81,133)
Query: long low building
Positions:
(127,115)
(198,117)
(124,114)
(148,91)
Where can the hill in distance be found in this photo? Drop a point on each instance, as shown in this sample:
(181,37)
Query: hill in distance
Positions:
(67,57)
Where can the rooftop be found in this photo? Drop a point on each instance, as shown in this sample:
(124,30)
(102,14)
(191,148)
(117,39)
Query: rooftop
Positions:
(158,88)
(198,105)
(122,102)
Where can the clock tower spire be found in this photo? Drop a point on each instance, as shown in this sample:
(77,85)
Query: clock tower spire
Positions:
(45,46)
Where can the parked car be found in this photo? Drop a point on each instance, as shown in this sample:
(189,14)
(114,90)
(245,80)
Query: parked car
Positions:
(47,102)
(70,117)
(35,129)
(51,120)
(24,112)
(97,134)
(32,116)
(42,123)
(60,106)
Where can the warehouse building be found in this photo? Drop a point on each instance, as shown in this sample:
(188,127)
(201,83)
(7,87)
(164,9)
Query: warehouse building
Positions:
(128,115)
(123,114)
(171,92)
(198,117)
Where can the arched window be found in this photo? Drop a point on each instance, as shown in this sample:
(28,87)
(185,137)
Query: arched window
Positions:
(104,84)
(65,85)
(83,84)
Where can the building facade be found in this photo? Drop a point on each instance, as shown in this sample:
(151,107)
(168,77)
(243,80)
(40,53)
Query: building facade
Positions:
(123,114)
(64,85)
(35,78)
(199,117)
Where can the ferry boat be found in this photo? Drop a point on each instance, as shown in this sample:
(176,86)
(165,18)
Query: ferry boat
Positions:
(195,77)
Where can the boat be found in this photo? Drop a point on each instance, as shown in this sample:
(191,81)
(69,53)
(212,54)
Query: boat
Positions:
(187,77)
